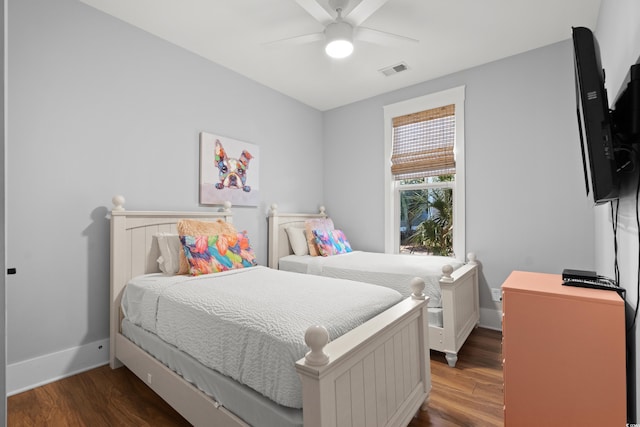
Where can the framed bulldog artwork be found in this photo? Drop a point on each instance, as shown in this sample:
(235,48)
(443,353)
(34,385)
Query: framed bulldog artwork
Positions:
(229,171)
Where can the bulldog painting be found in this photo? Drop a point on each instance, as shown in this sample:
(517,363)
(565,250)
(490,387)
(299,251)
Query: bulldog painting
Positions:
(229,171)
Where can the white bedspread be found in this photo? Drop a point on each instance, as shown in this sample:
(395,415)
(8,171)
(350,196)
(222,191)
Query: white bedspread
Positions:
(394,271)
(249,324)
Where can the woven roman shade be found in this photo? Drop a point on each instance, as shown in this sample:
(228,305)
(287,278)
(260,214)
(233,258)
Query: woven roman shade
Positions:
(423,143)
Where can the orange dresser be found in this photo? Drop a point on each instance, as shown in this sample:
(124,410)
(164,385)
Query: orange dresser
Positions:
(563,353)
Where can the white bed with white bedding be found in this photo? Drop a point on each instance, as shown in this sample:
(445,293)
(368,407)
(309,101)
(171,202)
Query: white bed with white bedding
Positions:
(228,349)
(451,284)
(257,316)
(391,270)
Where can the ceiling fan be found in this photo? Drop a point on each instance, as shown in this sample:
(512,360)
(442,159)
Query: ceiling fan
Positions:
(342,25)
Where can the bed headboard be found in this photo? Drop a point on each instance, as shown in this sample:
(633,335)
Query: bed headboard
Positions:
(278,240)
(134,250)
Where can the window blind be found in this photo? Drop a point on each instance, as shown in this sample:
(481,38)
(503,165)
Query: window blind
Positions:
(423,143)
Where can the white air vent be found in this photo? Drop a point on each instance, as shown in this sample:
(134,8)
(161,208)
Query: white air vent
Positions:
(394,69)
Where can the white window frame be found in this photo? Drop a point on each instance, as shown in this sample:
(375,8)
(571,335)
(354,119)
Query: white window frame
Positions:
(392,187)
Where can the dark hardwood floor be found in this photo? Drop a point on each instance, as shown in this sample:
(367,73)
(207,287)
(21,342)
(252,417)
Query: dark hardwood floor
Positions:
(468,395)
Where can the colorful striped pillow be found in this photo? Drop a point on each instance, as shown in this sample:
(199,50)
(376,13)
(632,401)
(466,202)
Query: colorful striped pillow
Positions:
(216,253)
(331,242)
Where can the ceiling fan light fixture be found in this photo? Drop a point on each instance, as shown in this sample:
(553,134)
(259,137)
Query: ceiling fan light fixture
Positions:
(339,48)
(339,37)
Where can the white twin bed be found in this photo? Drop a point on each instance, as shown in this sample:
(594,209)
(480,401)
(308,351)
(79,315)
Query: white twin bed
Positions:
(452,286)
(257,346)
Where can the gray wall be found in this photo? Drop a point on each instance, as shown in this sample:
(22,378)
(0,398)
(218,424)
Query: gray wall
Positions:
(97,107)
(618,33)
(525,199)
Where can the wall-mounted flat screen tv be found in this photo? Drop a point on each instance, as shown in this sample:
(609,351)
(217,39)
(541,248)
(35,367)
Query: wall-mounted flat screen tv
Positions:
(594,119)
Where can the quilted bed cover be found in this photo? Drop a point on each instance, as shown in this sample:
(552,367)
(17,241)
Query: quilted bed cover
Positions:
(394,271)
(249,324)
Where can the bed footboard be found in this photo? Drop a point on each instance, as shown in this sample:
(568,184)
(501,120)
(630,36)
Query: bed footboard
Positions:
(460,309)
(376,374)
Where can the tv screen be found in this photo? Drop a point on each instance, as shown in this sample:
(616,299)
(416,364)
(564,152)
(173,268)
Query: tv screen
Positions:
(626,113)
(594,119)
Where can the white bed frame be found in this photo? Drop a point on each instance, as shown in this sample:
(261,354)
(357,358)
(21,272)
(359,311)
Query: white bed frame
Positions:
(460,297)
(377,374)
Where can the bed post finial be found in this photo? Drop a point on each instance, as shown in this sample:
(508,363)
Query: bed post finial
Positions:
(417,286)
(471,256)
(226,206)
(316,338)
(273,211)
(446,274)
(323,210)
(118,202)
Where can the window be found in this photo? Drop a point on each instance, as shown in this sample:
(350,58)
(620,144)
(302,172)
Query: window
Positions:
(424,174)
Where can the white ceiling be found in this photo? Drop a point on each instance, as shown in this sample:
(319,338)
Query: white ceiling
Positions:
(454,35)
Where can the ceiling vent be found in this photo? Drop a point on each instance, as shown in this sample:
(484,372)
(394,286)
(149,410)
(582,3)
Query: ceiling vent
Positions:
(394,69)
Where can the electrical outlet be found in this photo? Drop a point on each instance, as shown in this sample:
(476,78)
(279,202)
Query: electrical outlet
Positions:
(496,294)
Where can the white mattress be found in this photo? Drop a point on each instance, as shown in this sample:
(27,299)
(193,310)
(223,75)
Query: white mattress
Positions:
(394,271)
(249,324)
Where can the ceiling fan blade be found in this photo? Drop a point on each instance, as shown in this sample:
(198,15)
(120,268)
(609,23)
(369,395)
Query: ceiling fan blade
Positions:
(297,40)
(381,37)
(363,10)
(314,9)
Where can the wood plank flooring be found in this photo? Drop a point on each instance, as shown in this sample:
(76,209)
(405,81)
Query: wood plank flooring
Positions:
(468,395)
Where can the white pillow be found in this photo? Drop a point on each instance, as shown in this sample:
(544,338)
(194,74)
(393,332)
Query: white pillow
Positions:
(170,248)
(298,240)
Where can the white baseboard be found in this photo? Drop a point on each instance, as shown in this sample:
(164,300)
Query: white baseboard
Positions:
(28,374)
(491,319)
